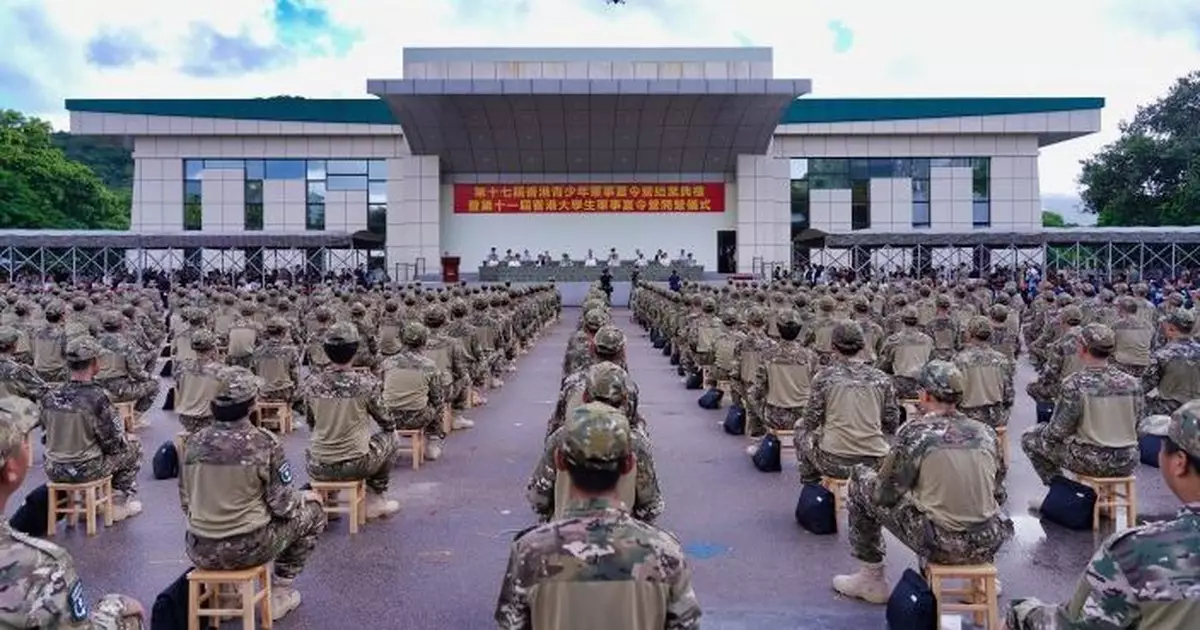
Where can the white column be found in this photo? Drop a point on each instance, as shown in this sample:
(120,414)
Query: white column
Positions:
(764,211)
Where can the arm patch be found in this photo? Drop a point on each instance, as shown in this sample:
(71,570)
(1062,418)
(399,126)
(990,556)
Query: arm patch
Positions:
(285,473)
(79,608)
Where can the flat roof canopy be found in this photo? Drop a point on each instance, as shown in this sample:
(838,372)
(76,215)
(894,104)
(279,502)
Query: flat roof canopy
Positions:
(589,126)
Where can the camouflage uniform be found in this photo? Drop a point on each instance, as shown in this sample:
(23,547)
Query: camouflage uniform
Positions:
(797,360)
(39,587)
(49,346)
(203,365)
(1059,443)
(944,331)
(1058,358)
(117,454)
(908,336)
(978,356)
(291,533)
(597,542)
(375,464)
(413,337)
(607,386)
(245,322)
(458,377)
(815,462)
(16,378)
(579,352)
(748,355)
(1140,576)
(724,354)
(136,386)
(1174,366)
(885,499)
(275,349)
(609,342)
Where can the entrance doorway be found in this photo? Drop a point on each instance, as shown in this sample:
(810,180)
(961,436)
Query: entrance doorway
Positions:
(726,251)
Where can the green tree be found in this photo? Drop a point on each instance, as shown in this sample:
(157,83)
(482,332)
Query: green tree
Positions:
(108,157)
(1053,219)
(1150,176)
(41,189)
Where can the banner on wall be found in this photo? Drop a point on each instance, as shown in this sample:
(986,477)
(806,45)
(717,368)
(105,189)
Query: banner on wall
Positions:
(587,198)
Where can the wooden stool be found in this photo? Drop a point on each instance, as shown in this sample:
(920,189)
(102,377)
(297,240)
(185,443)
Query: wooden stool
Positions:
(180,442)
(416,445)
(81,498)
(704,374)
(1112,494)
(1002,442)
(252,587)
(839,488)
(128,415)
(726,389)
(276,416)
(786,440)
(447,419)
(355,506)
(980,592)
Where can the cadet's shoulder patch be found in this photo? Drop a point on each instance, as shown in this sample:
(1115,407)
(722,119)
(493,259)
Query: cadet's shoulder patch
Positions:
(75,600)
(285,473)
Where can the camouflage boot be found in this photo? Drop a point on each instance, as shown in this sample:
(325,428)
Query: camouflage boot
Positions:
(868,584)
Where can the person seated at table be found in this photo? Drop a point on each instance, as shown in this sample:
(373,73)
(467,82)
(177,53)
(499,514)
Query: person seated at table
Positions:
(640,261)
(613,257)
(565,261)
(526,256)
(493,259)
(513,260)
(660,257)
(590,261)
(682,256)
(690,260)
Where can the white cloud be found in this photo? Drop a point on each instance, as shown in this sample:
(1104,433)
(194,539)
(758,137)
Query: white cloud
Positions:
(920,47)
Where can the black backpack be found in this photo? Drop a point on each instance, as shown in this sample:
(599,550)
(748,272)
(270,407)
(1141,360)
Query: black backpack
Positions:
(735,420)
(1148,446)
(171,606)
(767,457)
(1045,410)
(694,381)
(30,519)
(816,510)
(166,461)
(912,604)
(1069,503)
(711,399)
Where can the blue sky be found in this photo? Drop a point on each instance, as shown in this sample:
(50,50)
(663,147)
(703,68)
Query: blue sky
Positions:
(1128,51)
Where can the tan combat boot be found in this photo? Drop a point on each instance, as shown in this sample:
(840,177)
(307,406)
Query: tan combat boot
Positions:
(868,584)
(284,598)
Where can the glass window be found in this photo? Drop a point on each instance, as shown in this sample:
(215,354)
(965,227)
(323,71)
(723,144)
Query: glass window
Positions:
(193,217)
(860,216)
(314,219)
(192,191)
(316,169)
(235,165)
(981,166)
(255,169)
(377,169)
(346,167)
(254,217)
(193,169)
(920,168)
(980,179)
(799,168)
(316,192)
(901,168)
(285,169)
(920,190)
(377,192)
(829,181)
(829,165)
(346,182)
(920,214)
(860,169)
(981,214)
(940,162)
(377,219)
(882,167)
(254,191)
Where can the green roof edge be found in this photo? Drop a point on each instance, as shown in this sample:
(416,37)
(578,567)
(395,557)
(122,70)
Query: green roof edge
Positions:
(374,111)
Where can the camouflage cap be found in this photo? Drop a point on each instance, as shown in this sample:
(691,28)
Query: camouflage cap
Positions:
(1181,319)
(909,315)
(1072,315)
(434,316)
(18,416)
(941,379)
(55,309)
(942,300)
(340,333)
(848,335)
(358,308)
(788,317)
(607,381)
(9,336)
(83,348)
(596,437)
(826,303)
(111,319)
(609,340)
(414,335)
(238,384)
(998,313)
(1181,427)
(1098,337)
(595,318)
(756,317)
(978,327)
(203,340)
(277,324)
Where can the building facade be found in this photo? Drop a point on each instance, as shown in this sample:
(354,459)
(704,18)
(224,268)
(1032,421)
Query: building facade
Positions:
(570,150)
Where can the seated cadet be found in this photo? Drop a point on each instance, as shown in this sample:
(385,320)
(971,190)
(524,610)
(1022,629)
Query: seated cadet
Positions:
(938,491)
(1145,576)
(235,486)
(988,391)
(904,353)
(85,439)
(596,568)
(242,337)
(414,395)
(196,382)
(16,378)
(340,404)
(725,343)
(49,344)
(1173,376)
(40,586)
(783,381)
(851,411)
(1135,339)
(122,370)
(607,387)
(277,362)
(579,350)
(1093,430)
(181,344)
(607,345)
